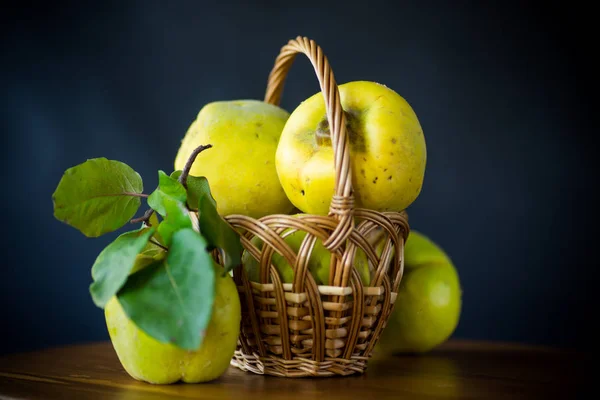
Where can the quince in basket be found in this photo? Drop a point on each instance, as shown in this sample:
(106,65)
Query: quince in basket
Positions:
(318,263)
(387,146)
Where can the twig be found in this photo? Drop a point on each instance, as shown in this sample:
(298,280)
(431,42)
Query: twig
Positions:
(158,244)
(188,165)
(144,218)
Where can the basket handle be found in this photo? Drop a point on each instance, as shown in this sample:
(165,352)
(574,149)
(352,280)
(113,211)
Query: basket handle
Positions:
(342,203)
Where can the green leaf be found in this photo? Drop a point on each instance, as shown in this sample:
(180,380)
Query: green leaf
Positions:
(172,300)
(218,232)
(197,186)
(149,255)
(97,196)
(176,218)
(168,188)
(114,264)
(151,250)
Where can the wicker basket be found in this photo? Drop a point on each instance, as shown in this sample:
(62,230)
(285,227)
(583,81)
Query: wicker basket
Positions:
(301,329)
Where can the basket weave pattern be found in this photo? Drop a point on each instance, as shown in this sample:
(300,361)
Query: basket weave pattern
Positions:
(299,328)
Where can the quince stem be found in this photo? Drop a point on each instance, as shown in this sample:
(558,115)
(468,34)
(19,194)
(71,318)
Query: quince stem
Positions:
(323,133)
(189,162)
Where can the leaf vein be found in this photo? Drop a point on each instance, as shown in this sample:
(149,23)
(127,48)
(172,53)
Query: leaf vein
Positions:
(175,287)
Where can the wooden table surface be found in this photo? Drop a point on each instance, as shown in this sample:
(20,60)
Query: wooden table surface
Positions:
(458,369)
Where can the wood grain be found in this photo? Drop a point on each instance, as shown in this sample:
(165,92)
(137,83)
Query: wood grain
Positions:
(458,369)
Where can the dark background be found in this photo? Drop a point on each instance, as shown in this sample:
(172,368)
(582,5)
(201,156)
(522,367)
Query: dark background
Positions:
(501,90)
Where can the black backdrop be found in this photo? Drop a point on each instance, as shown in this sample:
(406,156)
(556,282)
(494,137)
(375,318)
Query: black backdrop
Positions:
(500,90)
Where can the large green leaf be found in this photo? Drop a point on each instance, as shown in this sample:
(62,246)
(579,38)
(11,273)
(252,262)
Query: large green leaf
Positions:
(218,232)
(97,196)
(176,218)
(172,300)
(196,187)
(115,262)
(168,188)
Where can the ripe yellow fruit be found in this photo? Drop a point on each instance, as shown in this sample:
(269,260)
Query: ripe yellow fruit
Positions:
(146,359)
(388,152)
(240,167)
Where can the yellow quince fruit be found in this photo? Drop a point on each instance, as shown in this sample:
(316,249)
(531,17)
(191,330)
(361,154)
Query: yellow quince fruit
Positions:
(387,150)
(241,165)
(146,359)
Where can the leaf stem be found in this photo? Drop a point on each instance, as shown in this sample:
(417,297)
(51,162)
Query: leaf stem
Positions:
(158,244)
(190,161)
(144,218)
